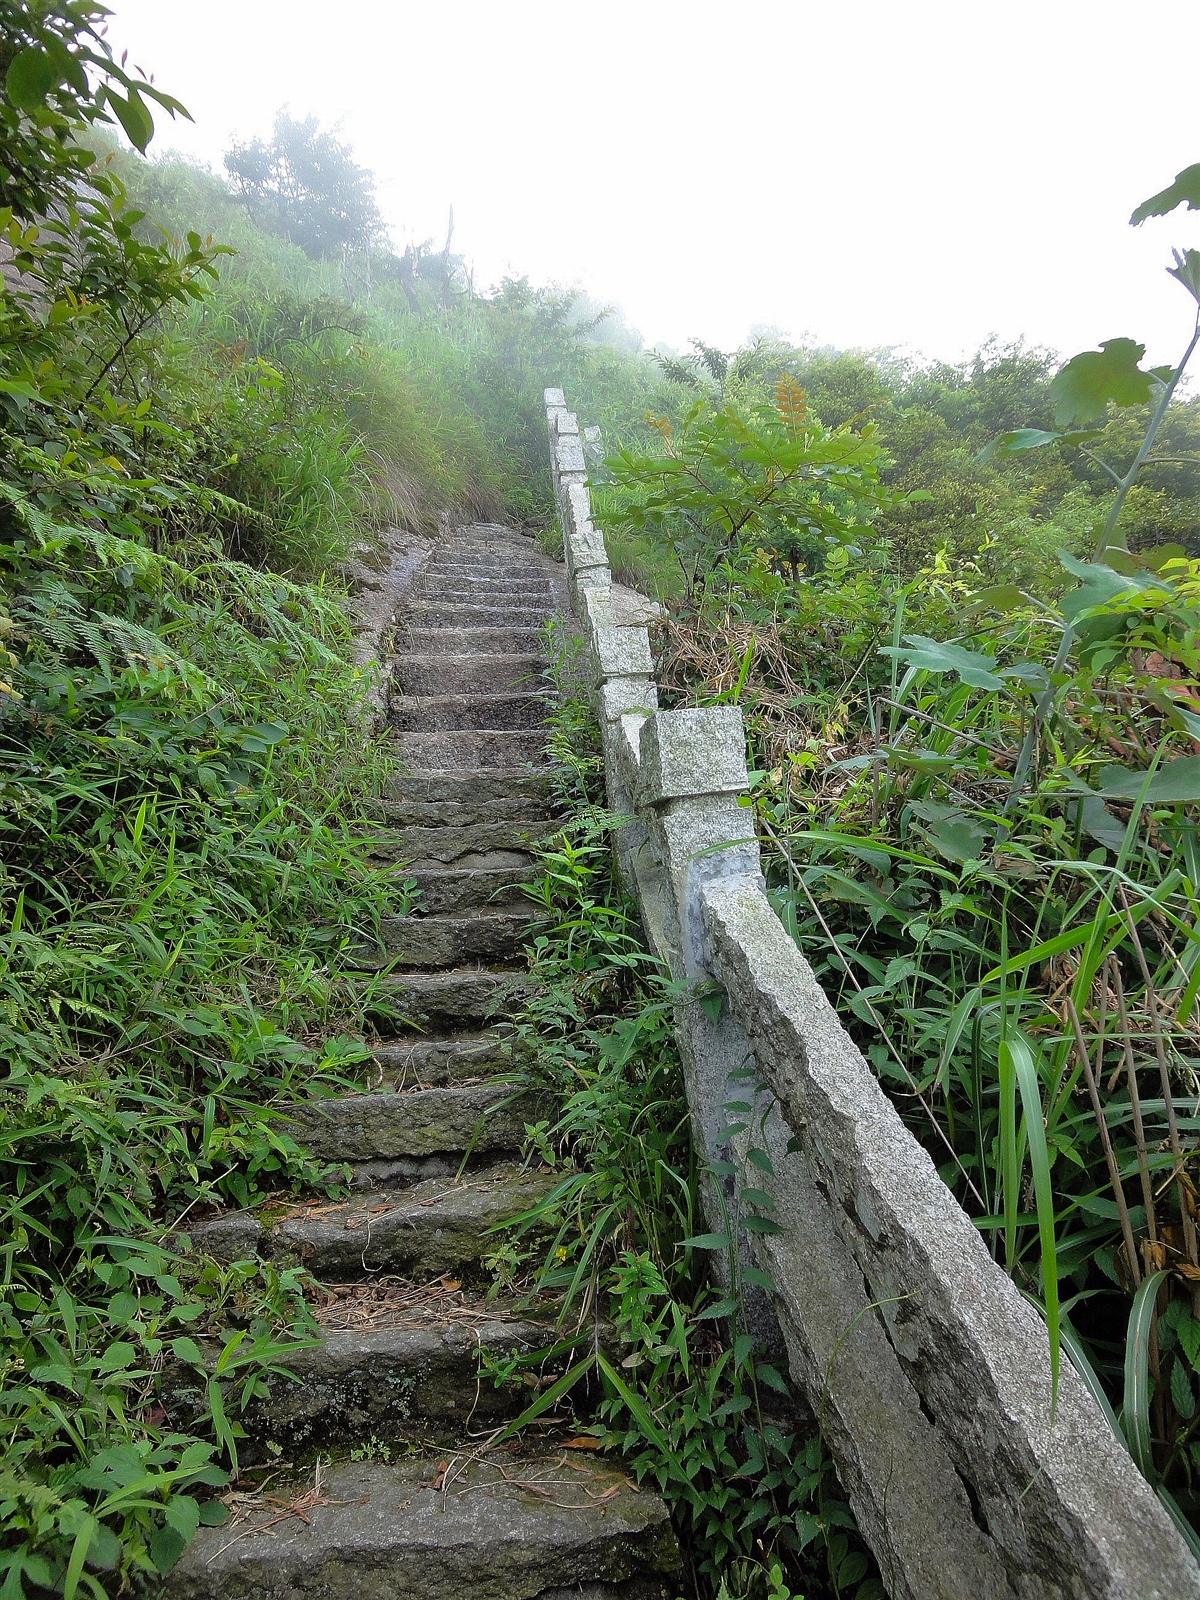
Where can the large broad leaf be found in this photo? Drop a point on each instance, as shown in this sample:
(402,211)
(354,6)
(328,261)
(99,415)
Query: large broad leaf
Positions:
(931,656)
(31,77)
(1098,822)
(958,839)
(1089,381)
(1185,191)
(1176,783)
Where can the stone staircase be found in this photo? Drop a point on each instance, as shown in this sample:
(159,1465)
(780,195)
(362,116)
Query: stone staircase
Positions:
(391,1482)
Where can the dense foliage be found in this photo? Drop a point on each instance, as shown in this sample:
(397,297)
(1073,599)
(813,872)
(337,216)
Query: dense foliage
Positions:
(978,802)
(182,864)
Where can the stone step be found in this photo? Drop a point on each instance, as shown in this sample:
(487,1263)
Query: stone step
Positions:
(446,941)
(434,1063)
(462,999)
(467,787)
(450,844)
(498,614)
(500,640)
(444,585)
(478,674)
(485,570)
(433,713)
(485,1118)
(428,1229)
(470,747)
(416,1374)
(428,1528)
(403,813)
(445,889)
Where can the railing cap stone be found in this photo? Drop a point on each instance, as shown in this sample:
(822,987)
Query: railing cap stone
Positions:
(693,752)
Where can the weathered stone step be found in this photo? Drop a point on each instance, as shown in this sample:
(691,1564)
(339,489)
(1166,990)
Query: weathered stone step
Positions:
(391,1382)
(451,586)
(450,843)
(461,999)
(435,1227)
(477,674)
(496,614)
(485,1118)
(469,747)
(447,941)
(428,1529)
(500,640)
(444,889)
(434,1063)
(405,813)
(431,713)
(485,571)
(470,787)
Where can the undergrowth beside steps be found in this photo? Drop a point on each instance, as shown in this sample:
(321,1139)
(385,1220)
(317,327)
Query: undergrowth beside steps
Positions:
(978,807)
(696,1411)
(183,764)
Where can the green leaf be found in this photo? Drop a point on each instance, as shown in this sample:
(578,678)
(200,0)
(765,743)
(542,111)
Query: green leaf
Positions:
(958,838)
(1187,271)
(1176,783)
(134,117)
(183,1514)
(187,1350)
(1137,1373)
(19,390)
(166,1547)
(641,1415)
(1010,1172)
(118,1356)
(1018,440)
(767,1374)
(1182,1397)
(758,1278)
(707,1241)
(31,77)
(999,597)
(79,1550)
(1184,191)
(931,656)
(719,1308)
(1091,380)
(1039,1160)
(105,1548)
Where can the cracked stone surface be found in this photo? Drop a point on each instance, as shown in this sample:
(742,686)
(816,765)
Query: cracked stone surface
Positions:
(512,1529)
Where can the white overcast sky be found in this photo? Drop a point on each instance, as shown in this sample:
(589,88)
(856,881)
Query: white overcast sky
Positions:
(908,173)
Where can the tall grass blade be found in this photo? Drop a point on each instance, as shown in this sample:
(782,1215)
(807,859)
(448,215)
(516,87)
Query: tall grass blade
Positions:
(1024,1068)
(1136,1410)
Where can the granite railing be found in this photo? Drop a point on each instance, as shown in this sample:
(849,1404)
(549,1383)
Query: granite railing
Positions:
(926,1370)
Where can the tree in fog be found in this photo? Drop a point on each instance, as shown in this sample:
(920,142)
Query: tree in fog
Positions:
(303,183)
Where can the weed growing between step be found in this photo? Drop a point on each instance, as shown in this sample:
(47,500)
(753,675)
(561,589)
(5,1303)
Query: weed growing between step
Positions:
(707,1421)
